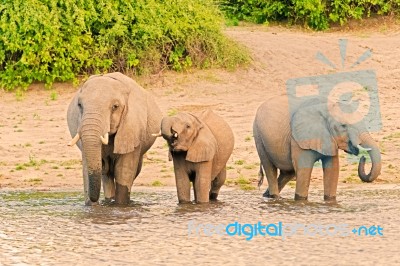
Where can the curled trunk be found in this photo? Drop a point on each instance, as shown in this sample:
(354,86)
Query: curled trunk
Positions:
(166,126)
(374,153)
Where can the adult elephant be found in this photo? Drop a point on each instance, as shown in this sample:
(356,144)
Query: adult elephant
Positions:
(111,119)
(293,137)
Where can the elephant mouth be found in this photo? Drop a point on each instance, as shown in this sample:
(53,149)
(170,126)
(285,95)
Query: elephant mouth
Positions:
(173,143)
(352,149)
(176,147)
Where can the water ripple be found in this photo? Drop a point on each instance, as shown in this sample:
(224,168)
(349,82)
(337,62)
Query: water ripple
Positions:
(56,228)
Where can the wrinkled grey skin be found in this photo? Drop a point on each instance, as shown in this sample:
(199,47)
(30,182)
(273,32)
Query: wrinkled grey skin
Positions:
(282,141)
(200,146)
(114,104)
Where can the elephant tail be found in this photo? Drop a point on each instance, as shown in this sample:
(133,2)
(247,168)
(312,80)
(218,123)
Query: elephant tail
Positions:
(260,176)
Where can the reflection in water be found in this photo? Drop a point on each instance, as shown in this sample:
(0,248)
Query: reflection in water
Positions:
(55,228)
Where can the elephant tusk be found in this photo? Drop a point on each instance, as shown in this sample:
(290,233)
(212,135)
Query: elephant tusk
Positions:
(74,140)
(156,135)
(104,139)
(361,148)
(175,135)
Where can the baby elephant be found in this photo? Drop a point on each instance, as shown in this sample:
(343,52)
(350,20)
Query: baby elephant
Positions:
(200,145)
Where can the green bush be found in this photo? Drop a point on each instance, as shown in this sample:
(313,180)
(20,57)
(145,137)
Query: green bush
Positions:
(56,40)
(316,14)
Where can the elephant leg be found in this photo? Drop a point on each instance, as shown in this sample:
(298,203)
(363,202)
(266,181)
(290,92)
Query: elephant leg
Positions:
(139,168)
(202,182)
(284,178)
(217,184)
(108,180)
(331,175)
(108,187)
(302,183)
(303,161)
(125,171)
(271,174)
(270,169)
(182,180)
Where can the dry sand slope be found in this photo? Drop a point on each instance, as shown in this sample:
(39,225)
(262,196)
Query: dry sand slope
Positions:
(33,132)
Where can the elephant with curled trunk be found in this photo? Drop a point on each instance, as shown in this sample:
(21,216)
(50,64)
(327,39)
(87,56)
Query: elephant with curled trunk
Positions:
(292,138)
(111,119)
(200,145)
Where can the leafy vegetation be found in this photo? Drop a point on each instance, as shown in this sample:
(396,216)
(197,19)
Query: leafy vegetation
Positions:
(32,163)
(243,183)
(316,14)
(53,40)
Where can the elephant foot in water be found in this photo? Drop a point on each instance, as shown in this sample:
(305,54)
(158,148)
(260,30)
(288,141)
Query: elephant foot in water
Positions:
(267,196)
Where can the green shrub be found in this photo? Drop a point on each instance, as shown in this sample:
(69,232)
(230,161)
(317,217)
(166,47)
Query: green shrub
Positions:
(316,14)
(56,40)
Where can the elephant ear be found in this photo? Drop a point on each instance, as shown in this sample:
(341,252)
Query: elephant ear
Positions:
(132,129)
(203,147)
(74,118)
(310,129)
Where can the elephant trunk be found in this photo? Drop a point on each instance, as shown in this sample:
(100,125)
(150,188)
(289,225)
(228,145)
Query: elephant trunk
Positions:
(166,127)
(92,149)
(374,153)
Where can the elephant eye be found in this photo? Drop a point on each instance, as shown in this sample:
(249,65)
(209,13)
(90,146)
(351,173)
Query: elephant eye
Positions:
(80,107)
(115,107)
(187,126)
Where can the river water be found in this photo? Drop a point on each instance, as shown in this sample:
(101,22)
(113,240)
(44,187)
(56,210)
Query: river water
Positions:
(55,228)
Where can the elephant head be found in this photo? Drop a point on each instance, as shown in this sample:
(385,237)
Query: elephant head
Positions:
(186,133)
(325,128)
(110,110)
